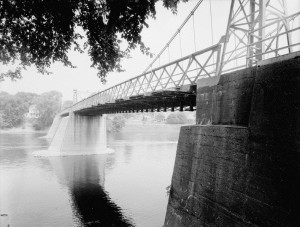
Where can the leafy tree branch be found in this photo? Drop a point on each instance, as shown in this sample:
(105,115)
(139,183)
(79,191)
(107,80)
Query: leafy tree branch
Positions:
(41,32)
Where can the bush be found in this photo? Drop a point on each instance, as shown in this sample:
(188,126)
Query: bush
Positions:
(116,124)
(177,118)
(160,117)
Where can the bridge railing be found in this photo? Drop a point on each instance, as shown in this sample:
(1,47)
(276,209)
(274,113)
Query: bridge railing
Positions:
(174,75)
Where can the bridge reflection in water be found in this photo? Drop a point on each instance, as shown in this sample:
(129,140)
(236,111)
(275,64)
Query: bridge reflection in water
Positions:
(84,177)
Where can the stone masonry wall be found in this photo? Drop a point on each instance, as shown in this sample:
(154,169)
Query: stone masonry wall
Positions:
(227,100)
(242,168)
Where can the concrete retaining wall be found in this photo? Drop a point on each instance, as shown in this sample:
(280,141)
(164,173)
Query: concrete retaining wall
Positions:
(226,100)
(242,168)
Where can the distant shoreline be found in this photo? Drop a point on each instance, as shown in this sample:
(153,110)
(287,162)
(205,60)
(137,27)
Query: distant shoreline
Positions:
(21,130)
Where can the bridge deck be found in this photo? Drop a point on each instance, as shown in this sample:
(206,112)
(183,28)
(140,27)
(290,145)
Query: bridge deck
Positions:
(153,101)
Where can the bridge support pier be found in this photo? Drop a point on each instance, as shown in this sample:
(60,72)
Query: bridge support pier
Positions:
(54,127)
(80,135)
(239,166)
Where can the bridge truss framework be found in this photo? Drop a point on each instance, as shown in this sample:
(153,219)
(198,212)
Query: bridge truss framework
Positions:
(256,30)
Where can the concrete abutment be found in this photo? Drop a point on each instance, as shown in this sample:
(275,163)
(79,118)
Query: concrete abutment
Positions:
(239,166)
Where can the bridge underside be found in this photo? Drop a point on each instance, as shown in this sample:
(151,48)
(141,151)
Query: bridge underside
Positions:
(168,100)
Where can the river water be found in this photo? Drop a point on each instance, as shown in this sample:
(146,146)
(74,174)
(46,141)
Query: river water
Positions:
(123,188)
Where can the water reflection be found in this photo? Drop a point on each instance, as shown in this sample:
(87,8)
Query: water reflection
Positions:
(84,176)
(84,190)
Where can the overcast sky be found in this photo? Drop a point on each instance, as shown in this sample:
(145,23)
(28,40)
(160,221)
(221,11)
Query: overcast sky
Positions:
(156,36)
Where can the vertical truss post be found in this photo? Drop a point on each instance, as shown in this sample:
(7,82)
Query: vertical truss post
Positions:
(287,27)
(250,51)
(227,35)
(75,98)
(247,23)
(218,60)
(191,105)
(181,106)
(261,34)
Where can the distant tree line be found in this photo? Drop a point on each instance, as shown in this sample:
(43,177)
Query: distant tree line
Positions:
(115,123)
(179,118)
(13,109)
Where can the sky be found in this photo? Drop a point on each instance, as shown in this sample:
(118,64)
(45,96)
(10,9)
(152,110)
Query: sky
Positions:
(199,33)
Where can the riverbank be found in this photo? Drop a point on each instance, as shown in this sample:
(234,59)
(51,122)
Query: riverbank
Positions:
(21,131)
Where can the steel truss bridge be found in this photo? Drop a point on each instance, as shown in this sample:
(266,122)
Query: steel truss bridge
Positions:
(256,30)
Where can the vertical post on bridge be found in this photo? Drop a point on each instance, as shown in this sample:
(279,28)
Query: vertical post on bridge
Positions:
(226,36)
(181,106)
(250,51)
(247,23)
(261,34)
(75,96)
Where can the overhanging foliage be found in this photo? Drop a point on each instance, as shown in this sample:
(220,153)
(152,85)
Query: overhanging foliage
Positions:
(41,32)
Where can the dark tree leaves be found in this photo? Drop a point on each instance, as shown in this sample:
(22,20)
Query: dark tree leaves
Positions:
(41,32)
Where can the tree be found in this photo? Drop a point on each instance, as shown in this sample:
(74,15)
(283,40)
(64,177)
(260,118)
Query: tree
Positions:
(26,99)
(48,104)
(37,32)
(12,110)
(159,117)
(177,118)
(116,123)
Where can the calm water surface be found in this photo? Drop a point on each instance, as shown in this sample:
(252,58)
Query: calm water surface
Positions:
(125,188)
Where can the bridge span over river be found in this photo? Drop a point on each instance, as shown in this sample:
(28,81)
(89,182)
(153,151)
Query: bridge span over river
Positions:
(239,165)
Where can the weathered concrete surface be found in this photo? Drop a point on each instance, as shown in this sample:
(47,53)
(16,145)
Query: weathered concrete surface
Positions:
(210,166)
(78,134)
(246,174)
(85,134)
(54,127)
(59,135)
(228,101)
